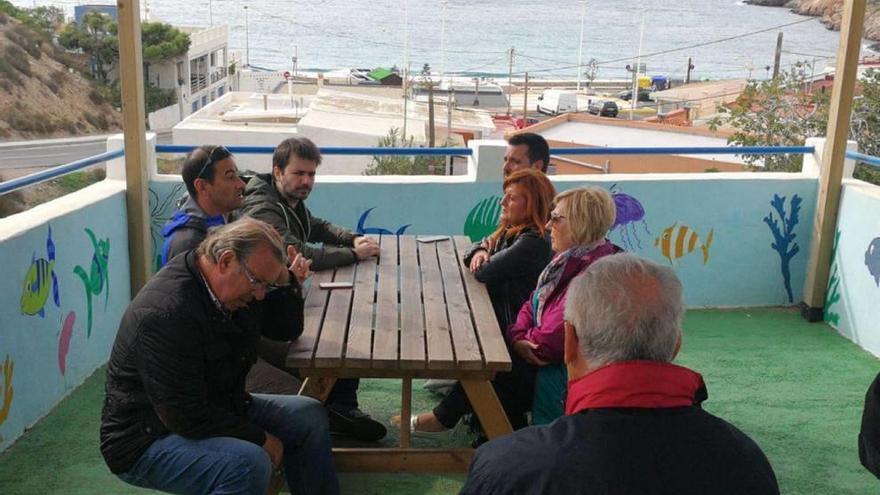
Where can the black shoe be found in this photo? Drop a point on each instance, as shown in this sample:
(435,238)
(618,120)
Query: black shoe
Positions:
(354,423)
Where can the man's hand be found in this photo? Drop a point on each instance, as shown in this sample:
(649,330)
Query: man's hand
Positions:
(300,267)
(478,259)
(274,448)
(365,247)
(526,349)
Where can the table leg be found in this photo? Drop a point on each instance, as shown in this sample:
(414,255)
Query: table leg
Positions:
(487,407)
(405,412)
(317,387)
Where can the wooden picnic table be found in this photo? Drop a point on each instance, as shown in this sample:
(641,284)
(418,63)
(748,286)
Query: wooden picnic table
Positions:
(415,312)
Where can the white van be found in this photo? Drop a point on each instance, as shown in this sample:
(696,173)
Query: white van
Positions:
(556,101)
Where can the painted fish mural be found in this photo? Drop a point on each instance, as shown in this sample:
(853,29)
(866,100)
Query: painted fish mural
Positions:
(872,260)
(629,212)
(362,229)
(64,341)
(6,371)
(98,279)
(39,280)
(677,241)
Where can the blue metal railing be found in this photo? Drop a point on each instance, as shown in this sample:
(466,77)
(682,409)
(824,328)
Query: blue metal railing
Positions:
(874,161)
(15,184)
(54,172)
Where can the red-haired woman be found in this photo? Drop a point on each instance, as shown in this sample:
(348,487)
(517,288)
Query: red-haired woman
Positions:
(509,262)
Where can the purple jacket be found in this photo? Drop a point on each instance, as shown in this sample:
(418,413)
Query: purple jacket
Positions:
(550,336)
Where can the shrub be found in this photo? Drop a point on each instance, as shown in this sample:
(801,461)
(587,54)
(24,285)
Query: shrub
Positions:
(3,18)
(18,59)
(8,73)
(98,121)
(96,97)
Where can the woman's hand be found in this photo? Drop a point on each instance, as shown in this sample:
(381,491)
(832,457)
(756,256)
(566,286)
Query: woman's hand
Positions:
(478,259)
(526,349)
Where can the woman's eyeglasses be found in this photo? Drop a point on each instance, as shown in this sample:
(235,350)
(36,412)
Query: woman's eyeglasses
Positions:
(555,217)
(216,154)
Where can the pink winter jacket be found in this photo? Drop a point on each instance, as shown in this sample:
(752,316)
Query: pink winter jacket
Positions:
(550,336)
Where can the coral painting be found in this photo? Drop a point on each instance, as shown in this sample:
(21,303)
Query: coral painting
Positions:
(832,294)
(784,236)
(483,218)
(6,371)
(39,280)
(362,229)
(64,341)
(629,212)
(161,210)
(97,279)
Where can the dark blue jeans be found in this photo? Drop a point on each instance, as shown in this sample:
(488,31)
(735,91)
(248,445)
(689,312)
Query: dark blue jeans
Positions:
(225,465)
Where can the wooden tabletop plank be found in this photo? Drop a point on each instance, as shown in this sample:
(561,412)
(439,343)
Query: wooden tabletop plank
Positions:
(385,343)
(491,338)
(437,334)
(330,348)
(360,329)
(303,348)
(412,316)
(464,338)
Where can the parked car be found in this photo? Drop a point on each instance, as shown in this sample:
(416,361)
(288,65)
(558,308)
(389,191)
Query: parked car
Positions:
(555,101)
(603,108)
(644,95)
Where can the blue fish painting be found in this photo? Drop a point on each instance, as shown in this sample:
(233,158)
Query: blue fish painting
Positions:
(872,260)
(362,229)
(39,280)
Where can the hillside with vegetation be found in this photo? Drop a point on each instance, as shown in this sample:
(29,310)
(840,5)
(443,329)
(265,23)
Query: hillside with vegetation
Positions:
(43,90)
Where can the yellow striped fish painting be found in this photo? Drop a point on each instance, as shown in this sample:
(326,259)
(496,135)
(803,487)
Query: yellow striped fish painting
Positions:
(680,240)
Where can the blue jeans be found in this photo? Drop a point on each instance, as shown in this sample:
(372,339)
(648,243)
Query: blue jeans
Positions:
(225,465)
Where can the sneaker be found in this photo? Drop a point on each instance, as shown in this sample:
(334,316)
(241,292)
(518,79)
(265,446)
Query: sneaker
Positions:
(354,423)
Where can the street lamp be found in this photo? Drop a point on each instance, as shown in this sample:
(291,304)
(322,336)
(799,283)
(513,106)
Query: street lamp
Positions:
(581,43)
(247,41)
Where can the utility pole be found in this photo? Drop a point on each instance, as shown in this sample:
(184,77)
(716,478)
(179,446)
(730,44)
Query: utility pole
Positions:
(581,45)
(509,81)
(430,113)
(687,79)
(635,81)
(247,39)
(210,14)
(778,55)
(477,91)
(443,42)
(450,102)
(526,101)
(405,100)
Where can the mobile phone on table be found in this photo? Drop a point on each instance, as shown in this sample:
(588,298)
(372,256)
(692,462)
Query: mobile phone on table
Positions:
(335,285)
(433,238)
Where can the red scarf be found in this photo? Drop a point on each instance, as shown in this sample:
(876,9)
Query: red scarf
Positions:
(639,384)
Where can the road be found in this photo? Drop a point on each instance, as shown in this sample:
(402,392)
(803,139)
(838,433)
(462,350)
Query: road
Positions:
(47,153)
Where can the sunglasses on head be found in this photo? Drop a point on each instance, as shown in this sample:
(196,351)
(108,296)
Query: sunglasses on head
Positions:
(216,154)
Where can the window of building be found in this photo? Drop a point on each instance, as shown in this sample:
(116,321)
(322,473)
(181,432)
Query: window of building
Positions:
(195,106)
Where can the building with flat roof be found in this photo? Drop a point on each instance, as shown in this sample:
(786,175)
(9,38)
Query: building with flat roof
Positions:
(573,130)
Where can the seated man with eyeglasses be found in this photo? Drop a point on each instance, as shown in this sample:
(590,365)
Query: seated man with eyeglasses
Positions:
(176,416)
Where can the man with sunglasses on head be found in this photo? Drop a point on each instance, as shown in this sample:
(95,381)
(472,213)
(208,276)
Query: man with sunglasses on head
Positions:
(278,198)
(176,416)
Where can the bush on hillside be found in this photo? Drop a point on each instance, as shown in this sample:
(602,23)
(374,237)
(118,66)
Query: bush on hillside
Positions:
(18,59)
(98,121)
(25,38)
(8,75)
(96,97)
(3,18)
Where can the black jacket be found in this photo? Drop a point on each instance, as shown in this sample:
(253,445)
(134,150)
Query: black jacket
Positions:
(512,271)
(869,435)
(297,225)
(178,364)
(624,451)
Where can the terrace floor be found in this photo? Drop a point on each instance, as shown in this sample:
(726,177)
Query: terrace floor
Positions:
(796,388)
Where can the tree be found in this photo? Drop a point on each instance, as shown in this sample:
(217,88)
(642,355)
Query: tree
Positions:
(97,36)
(776,112)
(47,19)
(162,42)
(401,164)
(865,125)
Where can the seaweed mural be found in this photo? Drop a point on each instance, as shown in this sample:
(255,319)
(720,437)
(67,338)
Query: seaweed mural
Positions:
(629,212)
(483,218)
(160,211)
(783,238)
(98,279)
(6,371)
(832,294)
(39,280)
(362,229)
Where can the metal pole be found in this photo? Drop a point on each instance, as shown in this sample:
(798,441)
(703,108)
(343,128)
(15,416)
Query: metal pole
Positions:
(247,39)
(405,100)
(509,81)
(210,13)
(450,102)
(778,55)
(131,76)
(635,81)
(581,45)
(443,42)
(526,101)
(832,159)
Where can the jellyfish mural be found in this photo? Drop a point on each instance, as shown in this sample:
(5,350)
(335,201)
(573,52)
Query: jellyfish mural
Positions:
(629,212)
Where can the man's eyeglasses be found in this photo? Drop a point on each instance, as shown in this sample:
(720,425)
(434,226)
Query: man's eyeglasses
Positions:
(257,284)
(216,154)
(555,217)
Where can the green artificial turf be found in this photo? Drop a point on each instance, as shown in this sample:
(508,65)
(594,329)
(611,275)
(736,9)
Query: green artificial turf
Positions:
(796,388)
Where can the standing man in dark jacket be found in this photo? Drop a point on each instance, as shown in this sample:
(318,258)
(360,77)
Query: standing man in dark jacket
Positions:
(279,200)
(633,421)
(176,416)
